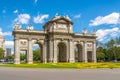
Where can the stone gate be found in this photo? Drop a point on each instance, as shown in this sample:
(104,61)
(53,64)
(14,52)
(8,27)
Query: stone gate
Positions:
(58,42)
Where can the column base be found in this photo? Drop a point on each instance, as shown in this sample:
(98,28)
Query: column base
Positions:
(72,61)
(30,62)
(44,61)
(85,61)
(16,61)
(55,61)
(50,60)
(94,61)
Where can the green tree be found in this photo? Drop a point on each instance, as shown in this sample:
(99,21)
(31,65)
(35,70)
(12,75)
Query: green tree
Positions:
(117,40)
(110,54)
(118,53)
(22,56)
(36,54)
(100,55)
(114,53)
(106,54)
(110,43)
(110,50)
(1,53)
(9,58)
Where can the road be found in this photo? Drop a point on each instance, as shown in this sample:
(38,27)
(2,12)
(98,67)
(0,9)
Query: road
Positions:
(7,73)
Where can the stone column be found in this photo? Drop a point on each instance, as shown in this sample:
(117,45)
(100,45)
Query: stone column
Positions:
(44,53)
(55,51)
(30,52)
(16,51)
(50,51)
(67,51)
(85,52)
(94,52)
(71,52)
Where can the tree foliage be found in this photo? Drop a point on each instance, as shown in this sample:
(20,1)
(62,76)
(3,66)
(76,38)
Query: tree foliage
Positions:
(100,54)
(111,50)
(22,56)
(117,40)
(9,58)
(36,54)
(1,53)
(110,43)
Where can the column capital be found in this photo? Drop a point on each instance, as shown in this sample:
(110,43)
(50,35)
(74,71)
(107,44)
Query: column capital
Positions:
(62,39)
(84,41)
(71,40)
(16,38)
(29,39)
(45,40)
(51,39)
(54,23)
(94,42)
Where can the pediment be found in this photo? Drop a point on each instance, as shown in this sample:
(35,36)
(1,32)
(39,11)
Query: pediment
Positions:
(60,19)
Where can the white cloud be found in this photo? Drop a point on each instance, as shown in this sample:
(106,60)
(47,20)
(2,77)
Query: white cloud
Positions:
(15,11)
(77,16)
(113,18)
(1,32)
(22,19)
(9,44)
(36,1)
(105,33)
(5,33)
(40,18)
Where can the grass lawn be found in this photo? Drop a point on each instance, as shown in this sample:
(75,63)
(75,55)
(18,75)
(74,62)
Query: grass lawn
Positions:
(65,65)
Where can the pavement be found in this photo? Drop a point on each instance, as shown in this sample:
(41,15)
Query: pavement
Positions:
(8,73)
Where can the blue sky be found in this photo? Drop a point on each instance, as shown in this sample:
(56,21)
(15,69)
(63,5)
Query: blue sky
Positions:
(101,15)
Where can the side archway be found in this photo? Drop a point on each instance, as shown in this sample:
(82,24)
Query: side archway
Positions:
(89,56)
(78,53)
(37,52)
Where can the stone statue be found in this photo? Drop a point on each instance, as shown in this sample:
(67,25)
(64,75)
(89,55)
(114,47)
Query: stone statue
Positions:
(30,27)
(84,31)
(17,27)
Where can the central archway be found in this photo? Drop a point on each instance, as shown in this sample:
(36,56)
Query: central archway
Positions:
(62,54)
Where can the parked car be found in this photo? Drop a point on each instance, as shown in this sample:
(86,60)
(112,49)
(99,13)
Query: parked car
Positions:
(2,60)
(100,60)
(113,61)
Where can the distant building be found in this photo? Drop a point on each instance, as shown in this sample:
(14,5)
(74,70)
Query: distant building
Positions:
(1,41)
(8,51)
